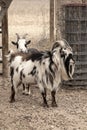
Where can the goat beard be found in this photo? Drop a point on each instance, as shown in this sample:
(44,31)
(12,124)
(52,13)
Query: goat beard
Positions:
(69,66)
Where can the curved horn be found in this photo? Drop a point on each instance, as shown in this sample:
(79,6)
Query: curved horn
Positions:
(18,37)
(67,44)
(24,36)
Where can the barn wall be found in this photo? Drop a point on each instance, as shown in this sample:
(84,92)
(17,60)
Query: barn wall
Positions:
(71,24)
(59,25)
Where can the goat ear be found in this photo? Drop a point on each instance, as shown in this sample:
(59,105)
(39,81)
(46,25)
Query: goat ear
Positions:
(15,43)
(28,42)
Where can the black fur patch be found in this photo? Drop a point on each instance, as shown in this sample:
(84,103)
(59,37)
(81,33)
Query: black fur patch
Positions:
(33,71)
(17,69)
(25,45)
(46,73)
(51,63)
(17,46)
(56,44)
(12,97)
(11,72)
(66,62)
(43,63)
(70,68)
(21,74)
(35,57)
(51,79)
(23,86)
(38,56)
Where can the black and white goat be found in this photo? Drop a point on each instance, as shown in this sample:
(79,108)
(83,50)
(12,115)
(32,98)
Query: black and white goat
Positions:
(22,46)
(47,69)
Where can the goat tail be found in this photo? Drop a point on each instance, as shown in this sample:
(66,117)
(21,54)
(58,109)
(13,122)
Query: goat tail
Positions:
(8,56)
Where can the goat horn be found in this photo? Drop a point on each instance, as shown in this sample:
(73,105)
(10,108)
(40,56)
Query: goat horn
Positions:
(67,44)
(25,35)
(18,37)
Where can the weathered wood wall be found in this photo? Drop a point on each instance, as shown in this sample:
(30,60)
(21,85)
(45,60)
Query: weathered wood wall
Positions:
(71,24)
(51,21)
(4,5)
(58,15)
(5,44)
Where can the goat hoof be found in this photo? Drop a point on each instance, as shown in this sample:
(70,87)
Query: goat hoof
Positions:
(26,93)
(23,93)
(45,105)
(12,101)
(54,105)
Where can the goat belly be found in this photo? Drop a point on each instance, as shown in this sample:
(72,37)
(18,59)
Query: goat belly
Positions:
(16,78)
(28,72)
(29,79)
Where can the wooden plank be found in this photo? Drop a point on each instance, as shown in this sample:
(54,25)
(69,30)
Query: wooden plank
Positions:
(83,1)
(2,3)
(81,53)
(81,63)
(5,44)
(75,32)
(5,3)
(83,78)
(4,8)
(2,13)
(81,71)
(76,84)
(57,10)
(51,21)
(79,43)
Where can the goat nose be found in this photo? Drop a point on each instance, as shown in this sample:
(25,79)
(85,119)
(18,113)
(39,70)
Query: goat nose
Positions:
(21,50)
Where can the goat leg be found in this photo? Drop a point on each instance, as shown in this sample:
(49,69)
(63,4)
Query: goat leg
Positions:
(27,89)
(53,98)
(23,89)
(45,104)
(12,97)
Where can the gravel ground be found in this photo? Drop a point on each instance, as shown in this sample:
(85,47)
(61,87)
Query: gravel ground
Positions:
(27,112)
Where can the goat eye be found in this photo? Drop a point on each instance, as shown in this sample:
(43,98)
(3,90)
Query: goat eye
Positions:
(25,45)
(64,48)
(17,46)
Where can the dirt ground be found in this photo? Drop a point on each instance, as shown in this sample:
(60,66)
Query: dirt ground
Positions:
(27,113)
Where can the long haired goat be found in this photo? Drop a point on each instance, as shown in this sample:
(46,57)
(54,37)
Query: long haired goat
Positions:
(22,46)
(47,69)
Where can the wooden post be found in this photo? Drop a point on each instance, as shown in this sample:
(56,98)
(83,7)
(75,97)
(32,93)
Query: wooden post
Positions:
(51,21)
(57,19)
(83,1)
(5,5)
(5,43)
(55,15)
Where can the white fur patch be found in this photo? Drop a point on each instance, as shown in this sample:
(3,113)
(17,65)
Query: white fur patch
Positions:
(16,62)
(21,45)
